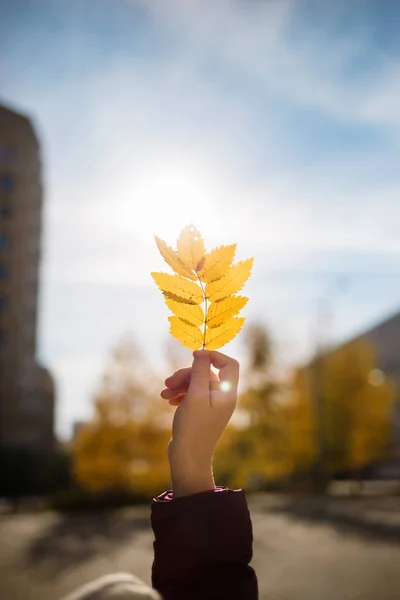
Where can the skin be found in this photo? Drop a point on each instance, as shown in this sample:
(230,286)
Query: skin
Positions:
(205,403)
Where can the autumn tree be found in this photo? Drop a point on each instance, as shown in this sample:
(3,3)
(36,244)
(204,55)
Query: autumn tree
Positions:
(359,413)
(300,416)
(256,450)
(352,428)
(122,450)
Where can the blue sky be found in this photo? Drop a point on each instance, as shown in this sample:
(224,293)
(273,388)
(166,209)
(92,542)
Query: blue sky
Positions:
(275,124)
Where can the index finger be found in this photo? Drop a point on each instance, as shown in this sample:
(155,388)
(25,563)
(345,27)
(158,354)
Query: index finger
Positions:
(228,367)
(179,378)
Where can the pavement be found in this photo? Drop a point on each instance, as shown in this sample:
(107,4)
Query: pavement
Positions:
(304,549)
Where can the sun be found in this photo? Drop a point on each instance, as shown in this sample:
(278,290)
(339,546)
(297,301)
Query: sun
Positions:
(166,200)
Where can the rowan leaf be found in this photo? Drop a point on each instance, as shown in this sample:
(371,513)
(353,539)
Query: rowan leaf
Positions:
(219,336)
(217,262)
(177,298)
(188,335)
(186,291)
(231,283)
(171,257)
(191,248)
(190,313)
(219,312)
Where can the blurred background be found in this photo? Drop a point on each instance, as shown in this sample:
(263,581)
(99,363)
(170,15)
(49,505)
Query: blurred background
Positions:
(271,123)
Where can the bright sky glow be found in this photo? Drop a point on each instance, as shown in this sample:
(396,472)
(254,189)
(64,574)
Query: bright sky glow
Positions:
(274,124)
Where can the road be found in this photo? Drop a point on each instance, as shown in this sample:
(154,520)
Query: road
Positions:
(304,549)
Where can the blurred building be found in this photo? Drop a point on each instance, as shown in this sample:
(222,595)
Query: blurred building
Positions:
(385,337)
(26,388)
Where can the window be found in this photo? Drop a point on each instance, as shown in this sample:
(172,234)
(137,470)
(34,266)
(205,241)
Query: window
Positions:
(6,183)
(5,210)
(5,241)
(3,272)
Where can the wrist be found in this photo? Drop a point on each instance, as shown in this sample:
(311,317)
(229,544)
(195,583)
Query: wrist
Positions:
(190,475)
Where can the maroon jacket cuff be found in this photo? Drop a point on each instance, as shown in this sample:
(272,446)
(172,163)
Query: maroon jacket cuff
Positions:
(203,546)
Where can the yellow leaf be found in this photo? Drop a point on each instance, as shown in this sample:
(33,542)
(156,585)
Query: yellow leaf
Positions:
(177,298)
(186,291)
(231,283)
(172,258)
(191,249)
(219,312)
(188,335)
(191,313)
(219,336)
(217,262)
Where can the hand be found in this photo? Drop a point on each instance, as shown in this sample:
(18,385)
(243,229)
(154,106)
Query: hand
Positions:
(205,403)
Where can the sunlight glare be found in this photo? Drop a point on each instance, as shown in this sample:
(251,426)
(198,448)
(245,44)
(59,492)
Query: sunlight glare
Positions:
(224,386)
(166,201)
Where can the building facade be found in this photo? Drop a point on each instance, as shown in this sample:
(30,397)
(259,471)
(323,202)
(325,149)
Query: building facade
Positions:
(385,338)
(26,388)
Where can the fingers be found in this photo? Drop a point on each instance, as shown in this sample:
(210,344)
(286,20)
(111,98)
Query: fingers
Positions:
(200,375)
(228,370)
(180,378)
(169,393)
(177,400)
(213,378)
(178,385)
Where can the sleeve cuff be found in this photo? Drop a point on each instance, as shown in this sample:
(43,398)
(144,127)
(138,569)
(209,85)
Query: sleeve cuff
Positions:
(194,530)
(168,496)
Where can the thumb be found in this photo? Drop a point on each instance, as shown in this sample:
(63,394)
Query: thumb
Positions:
(200,375)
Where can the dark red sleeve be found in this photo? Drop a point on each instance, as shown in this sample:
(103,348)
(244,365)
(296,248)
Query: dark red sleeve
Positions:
(203,546)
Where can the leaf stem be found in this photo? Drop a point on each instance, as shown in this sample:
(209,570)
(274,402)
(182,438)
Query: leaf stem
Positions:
(205,311)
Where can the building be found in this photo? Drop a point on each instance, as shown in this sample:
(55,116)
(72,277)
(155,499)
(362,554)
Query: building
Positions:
(385,337)
(26,388)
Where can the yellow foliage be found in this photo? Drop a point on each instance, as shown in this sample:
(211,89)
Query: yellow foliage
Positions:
(300,419)
(172,258)
(330,414)
(224,310)
(189,313)
(256,450)
(191,249)
(231,283)
(217,322)
(187,334)
(358,413)
(217,262)
(341,410)
(219,336)
(182,289)
(124,448)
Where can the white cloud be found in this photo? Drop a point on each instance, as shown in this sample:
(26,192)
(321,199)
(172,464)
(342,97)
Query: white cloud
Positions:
(315,69)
